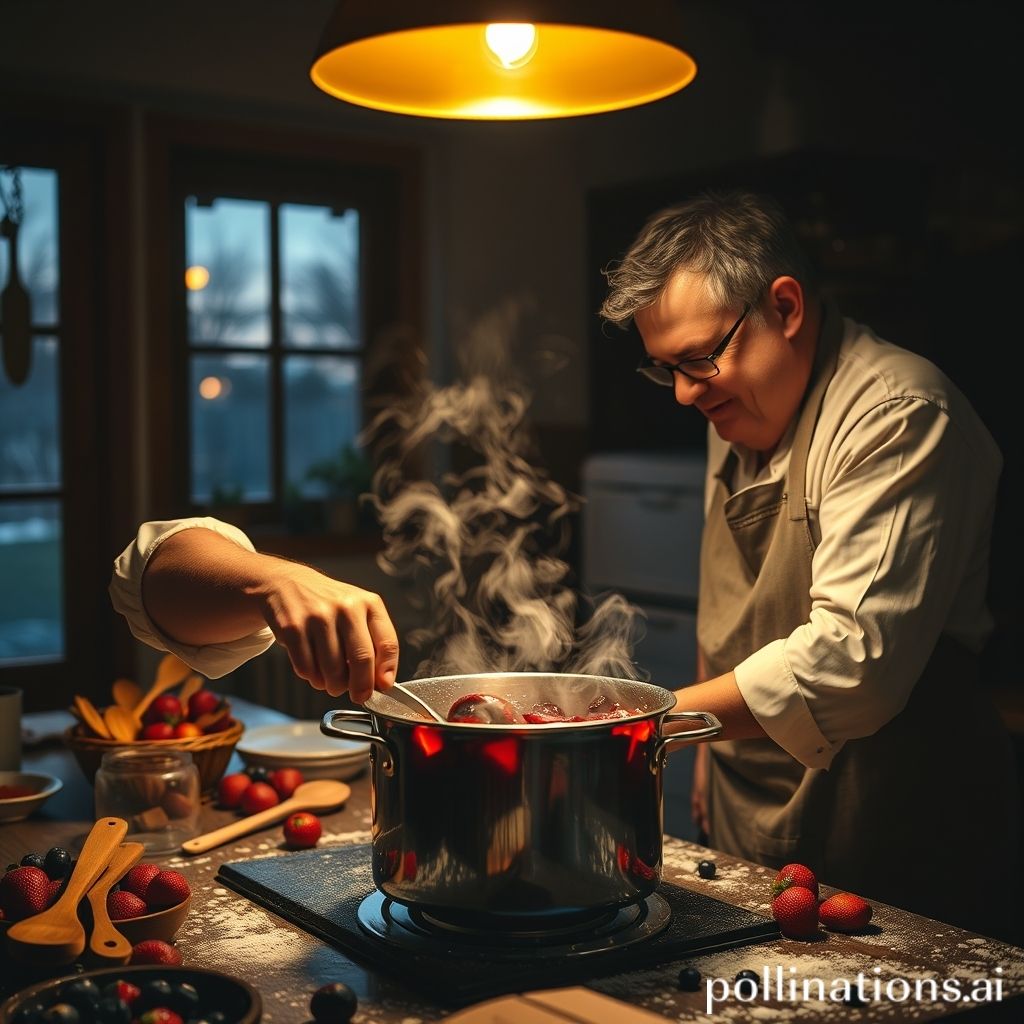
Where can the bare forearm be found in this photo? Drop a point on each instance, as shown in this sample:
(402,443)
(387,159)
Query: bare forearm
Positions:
(721,696)
(199,588)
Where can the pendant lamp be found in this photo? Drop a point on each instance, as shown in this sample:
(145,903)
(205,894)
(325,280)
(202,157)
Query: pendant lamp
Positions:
(493,60)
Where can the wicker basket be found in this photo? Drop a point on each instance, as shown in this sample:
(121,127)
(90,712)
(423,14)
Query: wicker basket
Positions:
(210,752)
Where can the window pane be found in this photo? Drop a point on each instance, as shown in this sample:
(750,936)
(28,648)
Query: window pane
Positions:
(230,429)
(227,272)
(31,612)
(320,277)
(322,416)
(30,424)
(37,241)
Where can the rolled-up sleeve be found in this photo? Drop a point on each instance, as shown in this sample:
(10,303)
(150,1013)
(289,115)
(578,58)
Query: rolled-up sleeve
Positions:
(211,660)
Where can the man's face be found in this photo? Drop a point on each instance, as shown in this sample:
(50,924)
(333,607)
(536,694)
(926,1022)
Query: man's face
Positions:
(762,373)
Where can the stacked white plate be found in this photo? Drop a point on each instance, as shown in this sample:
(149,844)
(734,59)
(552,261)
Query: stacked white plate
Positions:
(302,745)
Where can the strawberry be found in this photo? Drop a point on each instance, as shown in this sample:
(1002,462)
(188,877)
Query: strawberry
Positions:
(844,912)
(155,951)
(202,702)
(302,830)
(24,892)
(56,888)
(123,990)
(166,708)
(167,889)
(160,1015)
(796,910)
(231,789)
(258,797)
(138,878)
(285,781)
(222,724)
(794,874)
(124,904)
(158,731)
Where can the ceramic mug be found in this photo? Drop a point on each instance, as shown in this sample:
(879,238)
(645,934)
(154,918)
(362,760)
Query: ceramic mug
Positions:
(10,729)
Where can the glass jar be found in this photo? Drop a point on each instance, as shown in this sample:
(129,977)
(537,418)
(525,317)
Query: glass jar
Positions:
(156,792)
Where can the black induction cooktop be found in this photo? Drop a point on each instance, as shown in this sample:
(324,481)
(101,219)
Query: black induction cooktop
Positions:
(329,892)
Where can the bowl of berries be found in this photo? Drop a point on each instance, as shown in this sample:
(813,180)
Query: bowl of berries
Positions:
(177,712)
(148,904)
(152,994)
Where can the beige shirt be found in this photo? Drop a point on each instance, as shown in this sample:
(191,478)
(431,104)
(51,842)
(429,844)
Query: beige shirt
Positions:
(901,487)
(213,660)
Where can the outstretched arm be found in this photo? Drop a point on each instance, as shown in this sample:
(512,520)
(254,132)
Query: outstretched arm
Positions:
(201,588)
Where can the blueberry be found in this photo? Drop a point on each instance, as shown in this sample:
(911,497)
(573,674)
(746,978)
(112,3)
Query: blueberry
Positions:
(184,1000)
(61,1013)
(333,1004)
(11,867)
(154,993)
(258,774)
(29,1013)
(57,863)
(110,1010)
(83,994)
(748,975)
(33,860)
(216,1017)
(706,869)
(689,979)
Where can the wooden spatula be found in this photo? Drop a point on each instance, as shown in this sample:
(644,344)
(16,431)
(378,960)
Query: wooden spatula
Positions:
(120,723)
(191,685)
(318,795)
(169,673)
(106,943)
(56,936)
(126,693)
(92,718)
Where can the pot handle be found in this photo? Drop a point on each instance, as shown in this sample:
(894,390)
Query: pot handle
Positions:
(328,728)
(712,728)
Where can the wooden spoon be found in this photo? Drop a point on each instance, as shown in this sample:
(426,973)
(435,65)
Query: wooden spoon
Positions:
(318,795)
(120,723)
(106,943)
(92,718)
(56,936)
(168,674)
(191,685)
(126,693)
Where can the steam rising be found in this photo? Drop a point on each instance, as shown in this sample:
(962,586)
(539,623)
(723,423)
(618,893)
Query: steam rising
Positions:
(485,542)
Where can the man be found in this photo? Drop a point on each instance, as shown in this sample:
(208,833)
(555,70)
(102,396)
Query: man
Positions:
(844,562)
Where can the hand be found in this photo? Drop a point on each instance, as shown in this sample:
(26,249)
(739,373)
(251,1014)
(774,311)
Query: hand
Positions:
(699,790)
(338,637)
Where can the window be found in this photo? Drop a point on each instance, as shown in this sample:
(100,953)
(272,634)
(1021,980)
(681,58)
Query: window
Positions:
(284,273)
(32,495)
(275,346)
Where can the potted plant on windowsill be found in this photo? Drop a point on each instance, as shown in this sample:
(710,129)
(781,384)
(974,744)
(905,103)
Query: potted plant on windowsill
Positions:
(343,477)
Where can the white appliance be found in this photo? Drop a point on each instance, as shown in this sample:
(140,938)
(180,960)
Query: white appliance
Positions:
(641,524)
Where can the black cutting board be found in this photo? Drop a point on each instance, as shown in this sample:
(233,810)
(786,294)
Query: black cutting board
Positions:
(320,891)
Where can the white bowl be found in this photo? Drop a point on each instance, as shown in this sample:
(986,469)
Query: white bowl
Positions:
(17,808)
(302,745)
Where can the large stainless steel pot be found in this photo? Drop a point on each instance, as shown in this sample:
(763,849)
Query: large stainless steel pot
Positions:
(519,822)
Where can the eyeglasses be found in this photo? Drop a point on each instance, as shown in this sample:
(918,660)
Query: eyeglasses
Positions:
(700,368)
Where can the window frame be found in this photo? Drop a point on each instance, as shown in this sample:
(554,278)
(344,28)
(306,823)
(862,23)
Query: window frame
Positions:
(82,145)
(381,181)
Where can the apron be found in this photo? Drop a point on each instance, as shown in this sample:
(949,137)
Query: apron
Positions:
(905,816)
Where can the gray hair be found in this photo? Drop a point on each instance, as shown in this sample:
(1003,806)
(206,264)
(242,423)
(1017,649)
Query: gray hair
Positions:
(739,241)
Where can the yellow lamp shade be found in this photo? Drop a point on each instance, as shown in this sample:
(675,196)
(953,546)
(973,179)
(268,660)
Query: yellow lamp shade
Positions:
(539,60)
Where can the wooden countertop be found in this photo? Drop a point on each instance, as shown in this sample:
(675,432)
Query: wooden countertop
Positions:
(286,964)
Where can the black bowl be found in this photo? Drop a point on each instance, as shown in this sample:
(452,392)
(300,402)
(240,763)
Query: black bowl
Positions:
(236,999)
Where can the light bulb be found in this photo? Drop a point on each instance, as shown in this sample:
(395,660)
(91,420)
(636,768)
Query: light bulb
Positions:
(511,44)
